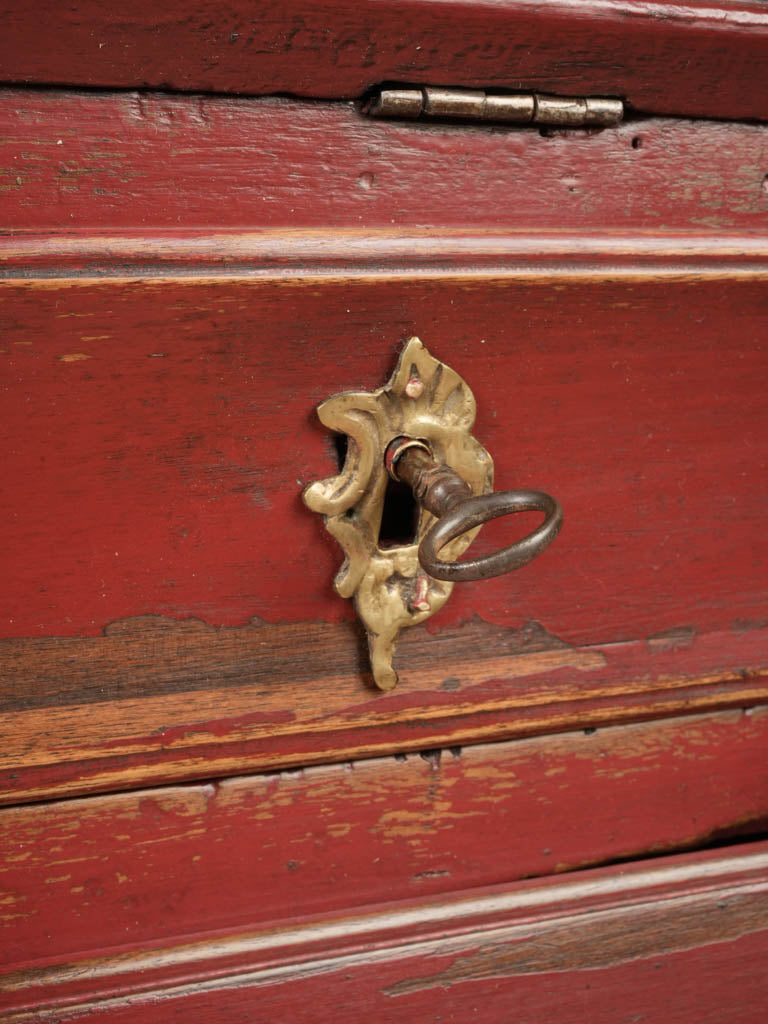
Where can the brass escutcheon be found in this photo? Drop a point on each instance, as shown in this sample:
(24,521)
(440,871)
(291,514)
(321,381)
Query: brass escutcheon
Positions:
(415,429)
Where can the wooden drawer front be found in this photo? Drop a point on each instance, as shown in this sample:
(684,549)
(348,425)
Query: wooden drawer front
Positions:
(174,482)
(135,871)
(168,604)
(176,444)
(208,902)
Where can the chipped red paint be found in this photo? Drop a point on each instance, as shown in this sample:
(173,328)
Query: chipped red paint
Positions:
(162,701)
(185,278)
(247,851)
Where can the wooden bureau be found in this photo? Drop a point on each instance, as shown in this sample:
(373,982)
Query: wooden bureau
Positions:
(210,812)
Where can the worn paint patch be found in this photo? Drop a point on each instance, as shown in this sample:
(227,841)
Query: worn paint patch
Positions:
(600,939)
(672,639)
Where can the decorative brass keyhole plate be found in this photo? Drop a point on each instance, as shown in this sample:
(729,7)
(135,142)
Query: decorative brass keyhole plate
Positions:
(426,400)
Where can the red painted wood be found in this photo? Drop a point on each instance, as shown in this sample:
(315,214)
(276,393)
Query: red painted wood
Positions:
(162,365)
(165,864)
(679,940)
(172,452)
(126,161)
(159,395)
(699,58)
(173,428)
(709,983)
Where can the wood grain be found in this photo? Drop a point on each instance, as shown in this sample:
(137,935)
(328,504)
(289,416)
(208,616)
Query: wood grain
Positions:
(138,162)
(706,59)
(679,940)
(157,701)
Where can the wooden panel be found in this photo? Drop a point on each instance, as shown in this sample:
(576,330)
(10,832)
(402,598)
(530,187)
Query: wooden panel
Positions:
(159,426)
(172,433)
(138,161)
(155,865)
(702,58)
(674,941)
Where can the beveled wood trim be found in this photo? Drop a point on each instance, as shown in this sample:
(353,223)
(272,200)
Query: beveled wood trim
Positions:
(355,253)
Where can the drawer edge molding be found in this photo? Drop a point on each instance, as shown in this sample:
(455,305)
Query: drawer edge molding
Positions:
(619,919)
(35,258)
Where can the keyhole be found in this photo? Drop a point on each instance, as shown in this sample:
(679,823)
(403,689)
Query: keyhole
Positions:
(340,445)
(400,516)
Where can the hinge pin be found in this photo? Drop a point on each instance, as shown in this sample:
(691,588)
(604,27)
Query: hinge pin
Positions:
(477,105)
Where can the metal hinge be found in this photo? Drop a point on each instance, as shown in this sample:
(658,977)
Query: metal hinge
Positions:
(503,108)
